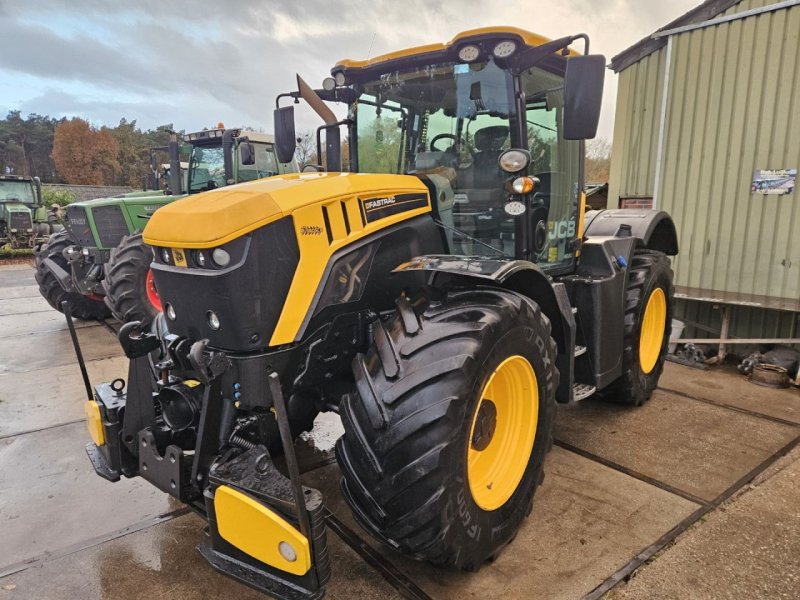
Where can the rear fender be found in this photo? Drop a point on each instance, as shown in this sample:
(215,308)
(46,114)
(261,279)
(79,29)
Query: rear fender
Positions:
(655,228)
(525,278)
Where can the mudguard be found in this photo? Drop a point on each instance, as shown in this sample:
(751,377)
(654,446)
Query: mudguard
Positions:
(654,227)
(523,277)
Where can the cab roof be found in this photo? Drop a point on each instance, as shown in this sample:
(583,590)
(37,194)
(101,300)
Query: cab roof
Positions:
(482,34)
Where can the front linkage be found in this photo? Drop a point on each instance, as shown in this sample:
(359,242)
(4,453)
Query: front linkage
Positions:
(176,428)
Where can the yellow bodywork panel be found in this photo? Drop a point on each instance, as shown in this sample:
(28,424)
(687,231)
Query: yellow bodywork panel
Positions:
(94,422)
(316,251)
(260,532)
(528,38)
(214,218)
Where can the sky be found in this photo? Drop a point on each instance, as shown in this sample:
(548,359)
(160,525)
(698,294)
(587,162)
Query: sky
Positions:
(194,63)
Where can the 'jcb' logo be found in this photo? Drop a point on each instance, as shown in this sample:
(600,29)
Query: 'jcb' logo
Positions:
(179,256)
(561,229)
(310,230)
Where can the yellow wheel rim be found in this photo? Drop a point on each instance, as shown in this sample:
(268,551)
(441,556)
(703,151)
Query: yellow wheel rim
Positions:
(502,433)
(651,336)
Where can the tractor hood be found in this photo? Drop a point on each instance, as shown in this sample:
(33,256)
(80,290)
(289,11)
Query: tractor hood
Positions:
(214,218)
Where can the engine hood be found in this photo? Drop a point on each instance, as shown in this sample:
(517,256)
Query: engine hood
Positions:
(219,216)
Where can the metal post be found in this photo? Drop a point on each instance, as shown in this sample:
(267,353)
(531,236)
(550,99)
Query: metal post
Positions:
(723,333)
(288,451)
(77,346)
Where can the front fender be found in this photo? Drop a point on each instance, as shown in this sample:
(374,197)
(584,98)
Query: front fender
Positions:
(525,278)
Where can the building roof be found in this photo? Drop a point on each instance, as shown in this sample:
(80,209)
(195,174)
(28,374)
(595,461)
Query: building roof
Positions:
(707,10)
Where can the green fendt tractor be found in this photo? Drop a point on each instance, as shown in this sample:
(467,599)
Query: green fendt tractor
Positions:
(441,298)
(24,221)
(100,263)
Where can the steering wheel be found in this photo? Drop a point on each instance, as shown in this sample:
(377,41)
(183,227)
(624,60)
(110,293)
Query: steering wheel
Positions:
(443,136)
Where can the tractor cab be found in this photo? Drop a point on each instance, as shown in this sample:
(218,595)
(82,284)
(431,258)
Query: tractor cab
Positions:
(221,157)
(492,122)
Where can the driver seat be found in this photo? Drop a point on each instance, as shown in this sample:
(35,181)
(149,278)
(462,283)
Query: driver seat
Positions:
(489,143)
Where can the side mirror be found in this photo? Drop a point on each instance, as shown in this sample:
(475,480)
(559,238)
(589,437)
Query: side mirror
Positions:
(248,153)
(583,95)
(285,135)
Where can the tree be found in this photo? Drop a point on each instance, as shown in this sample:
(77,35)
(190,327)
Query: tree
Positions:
(306,151)
(25,145)
(85,155)
(598,160)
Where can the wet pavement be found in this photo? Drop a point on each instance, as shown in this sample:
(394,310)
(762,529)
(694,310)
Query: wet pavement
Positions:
(618,480)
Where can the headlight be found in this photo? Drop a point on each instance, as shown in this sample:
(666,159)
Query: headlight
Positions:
(220,257)
(514,160)
(505,48)
(170,311)
(469,53)
(213,320)
(165,255)
(329,84)
(200,259)
(339,78)
(514,208)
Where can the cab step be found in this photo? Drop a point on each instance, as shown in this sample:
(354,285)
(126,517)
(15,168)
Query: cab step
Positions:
(581,391)
(579,350)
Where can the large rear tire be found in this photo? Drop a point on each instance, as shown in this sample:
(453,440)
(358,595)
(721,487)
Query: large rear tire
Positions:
(446,434)
(81,307)
(128,283)
(648,318)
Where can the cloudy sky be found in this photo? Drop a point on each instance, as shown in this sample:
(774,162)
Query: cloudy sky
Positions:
(196,62)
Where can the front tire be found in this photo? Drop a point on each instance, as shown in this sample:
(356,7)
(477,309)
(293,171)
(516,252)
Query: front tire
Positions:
(419,423)
(648,318)
(81,307)
(128,283)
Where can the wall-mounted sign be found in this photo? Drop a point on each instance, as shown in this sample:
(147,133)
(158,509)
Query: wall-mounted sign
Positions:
(773,181)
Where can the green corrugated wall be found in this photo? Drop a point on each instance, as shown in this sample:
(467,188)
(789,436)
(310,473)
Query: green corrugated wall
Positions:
(733,106)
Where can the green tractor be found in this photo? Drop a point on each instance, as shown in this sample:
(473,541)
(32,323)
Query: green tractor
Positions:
(24,221)
(442,298)
(100,264)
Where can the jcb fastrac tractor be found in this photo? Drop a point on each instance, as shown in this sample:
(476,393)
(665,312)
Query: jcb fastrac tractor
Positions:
(441,298)
(100,263)
(24,221)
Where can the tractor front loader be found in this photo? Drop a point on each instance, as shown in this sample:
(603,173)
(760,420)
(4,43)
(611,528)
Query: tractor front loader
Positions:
(441,298)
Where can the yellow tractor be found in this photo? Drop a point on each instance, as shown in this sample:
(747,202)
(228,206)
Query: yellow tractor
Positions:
(442,297)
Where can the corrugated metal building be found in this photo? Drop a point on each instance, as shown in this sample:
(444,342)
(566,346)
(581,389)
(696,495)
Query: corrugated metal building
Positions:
(703,103)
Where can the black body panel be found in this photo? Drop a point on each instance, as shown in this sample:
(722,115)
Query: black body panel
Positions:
(247,297)
(598,292)
(77,223)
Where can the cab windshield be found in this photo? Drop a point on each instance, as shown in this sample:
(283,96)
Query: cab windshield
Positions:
(450,123)
(21,191)
(206,167)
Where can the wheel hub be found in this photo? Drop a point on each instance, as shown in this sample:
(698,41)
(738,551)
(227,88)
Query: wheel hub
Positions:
(502,433)
(485,424)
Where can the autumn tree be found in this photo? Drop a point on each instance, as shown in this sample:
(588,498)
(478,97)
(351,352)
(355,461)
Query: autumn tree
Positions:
(85,155)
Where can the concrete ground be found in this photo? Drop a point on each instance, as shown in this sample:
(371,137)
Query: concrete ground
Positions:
(621,483)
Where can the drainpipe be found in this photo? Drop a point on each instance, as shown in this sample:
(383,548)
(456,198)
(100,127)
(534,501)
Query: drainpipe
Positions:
(662,124)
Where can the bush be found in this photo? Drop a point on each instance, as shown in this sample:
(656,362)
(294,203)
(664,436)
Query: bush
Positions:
(52,195)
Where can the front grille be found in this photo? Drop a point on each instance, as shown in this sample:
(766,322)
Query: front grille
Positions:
(21,221)
(77,225)
(111,225)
